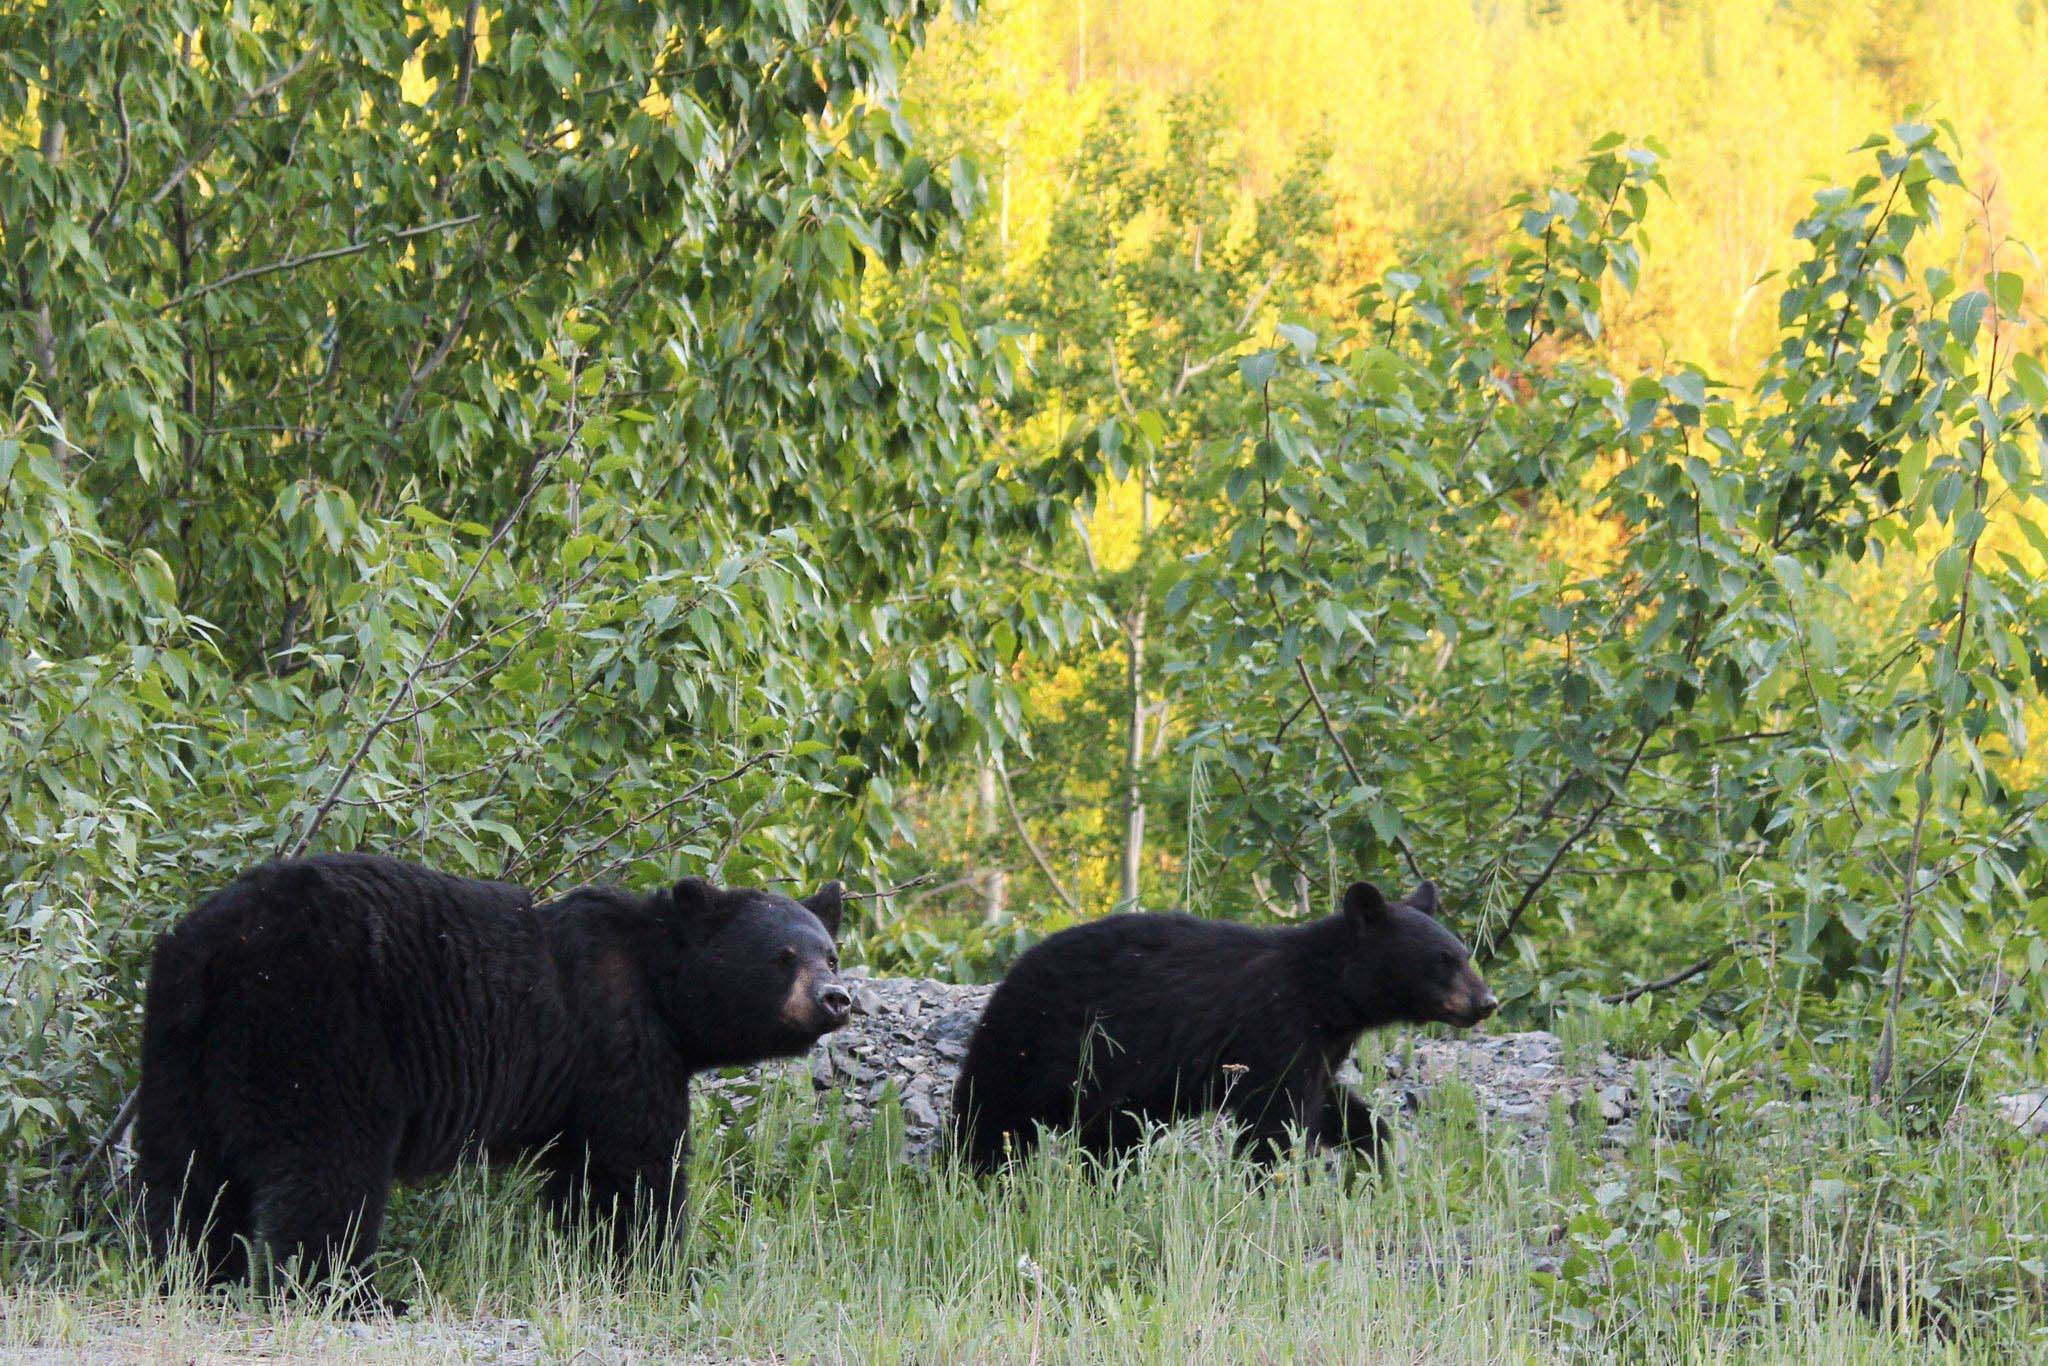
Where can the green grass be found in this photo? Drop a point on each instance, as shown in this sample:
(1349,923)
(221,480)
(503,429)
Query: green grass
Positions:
(1818,1234)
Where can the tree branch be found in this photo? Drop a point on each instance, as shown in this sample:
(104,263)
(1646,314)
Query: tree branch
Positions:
(1037,854)
(313,258)
(1536,884)
(1683,975)
(127,161)
(1330,729)
(401,409)
(405,690)
(878,893)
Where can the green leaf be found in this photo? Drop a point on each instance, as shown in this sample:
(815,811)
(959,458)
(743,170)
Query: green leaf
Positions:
(1258,368)
(2007,291)
(2032,379)
(1966,315)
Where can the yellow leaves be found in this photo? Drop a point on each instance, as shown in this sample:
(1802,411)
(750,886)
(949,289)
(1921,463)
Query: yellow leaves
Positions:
(1578,537)
(1437,113)
(1115,528)
(414,85)
(1049,694)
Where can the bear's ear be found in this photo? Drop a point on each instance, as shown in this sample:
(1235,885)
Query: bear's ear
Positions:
(1364,905)
(693,898)
(826,903)
(1424,898)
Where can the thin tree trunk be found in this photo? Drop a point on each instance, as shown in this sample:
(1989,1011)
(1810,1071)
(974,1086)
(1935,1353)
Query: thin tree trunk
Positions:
(1134,761)
(1902,953)
(42,324)
(995,881)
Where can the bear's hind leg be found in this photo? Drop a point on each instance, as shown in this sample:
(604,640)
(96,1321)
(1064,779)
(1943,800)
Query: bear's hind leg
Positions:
(197,1210)
(190,1204)
(320,1214)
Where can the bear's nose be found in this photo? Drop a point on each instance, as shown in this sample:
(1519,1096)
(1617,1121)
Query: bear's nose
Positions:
(1488,1004)
(835,1001)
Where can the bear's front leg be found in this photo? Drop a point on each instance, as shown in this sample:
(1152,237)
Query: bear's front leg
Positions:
(624,1199)
(1270,1117)
(1347,1121)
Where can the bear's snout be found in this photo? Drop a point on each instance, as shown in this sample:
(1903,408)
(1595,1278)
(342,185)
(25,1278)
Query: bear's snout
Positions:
(834,1003)
(1473,1003)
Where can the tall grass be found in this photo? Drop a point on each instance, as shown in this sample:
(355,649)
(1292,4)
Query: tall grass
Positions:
(1782,1240)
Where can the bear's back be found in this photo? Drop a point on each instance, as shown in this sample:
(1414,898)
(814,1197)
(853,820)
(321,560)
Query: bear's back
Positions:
(1173,984)
(441,992)
(1170,945)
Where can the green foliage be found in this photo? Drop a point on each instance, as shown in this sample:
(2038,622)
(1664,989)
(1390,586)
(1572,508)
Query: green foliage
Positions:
(595,442)
(1395,646)
(521,437)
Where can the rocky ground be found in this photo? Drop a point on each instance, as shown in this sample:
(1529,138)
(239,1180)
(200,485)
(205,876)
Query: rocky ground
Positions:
(914,1033)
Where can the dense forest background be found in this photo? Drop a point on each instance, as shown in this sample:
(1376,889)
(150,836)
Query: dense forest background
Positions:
(1071,458)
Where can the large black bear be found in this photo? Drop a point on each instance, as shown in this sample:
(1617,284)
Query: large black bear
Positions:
(1137,1019)
(323,1026)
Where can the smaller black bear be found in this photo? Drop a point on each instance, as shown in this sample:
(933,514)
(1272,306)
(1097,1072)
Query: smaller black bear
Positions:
(323,1026)
(1137,1019)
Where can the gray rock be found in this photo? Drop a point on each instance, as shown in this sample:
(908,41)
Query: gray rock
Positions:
(2026,1111)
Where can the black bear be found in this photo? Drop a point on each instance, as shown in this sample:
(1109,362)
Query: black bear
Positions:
(1136,1019)
(323,1026)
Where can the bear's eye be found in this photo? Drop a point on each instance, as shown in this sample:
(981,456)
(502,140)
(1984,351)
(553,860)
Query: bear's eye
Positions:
(787,957)
(832,961)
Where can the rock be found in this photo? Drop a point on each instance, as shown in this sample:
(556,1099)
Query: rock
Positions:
(1614,1102)
(2026,1111)
(919,1110)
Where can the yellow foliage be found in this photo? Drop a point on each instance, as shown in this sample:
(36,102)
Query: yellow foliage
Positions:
(1586,543)
(1437,113)
(1049,693)
(1115,526)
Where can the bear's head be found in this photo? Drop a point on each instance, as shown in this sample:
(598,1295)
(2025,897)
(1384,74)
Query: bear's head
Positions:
(759,974)
(1405,965)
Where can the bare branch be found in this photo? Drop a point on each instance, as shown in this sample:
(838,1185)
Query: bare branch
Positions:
(403,408)
(127,161)
(1330,728)
(1887,1043)
(689,794)
(468,61)
(1037,854)
(881,892)
(313,258)
(1683,975)
(1564,846)
(123,1117)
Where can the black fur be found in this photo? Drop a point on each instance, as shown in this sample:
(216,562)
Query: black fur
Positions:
(1137,1019)
(324,1026)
